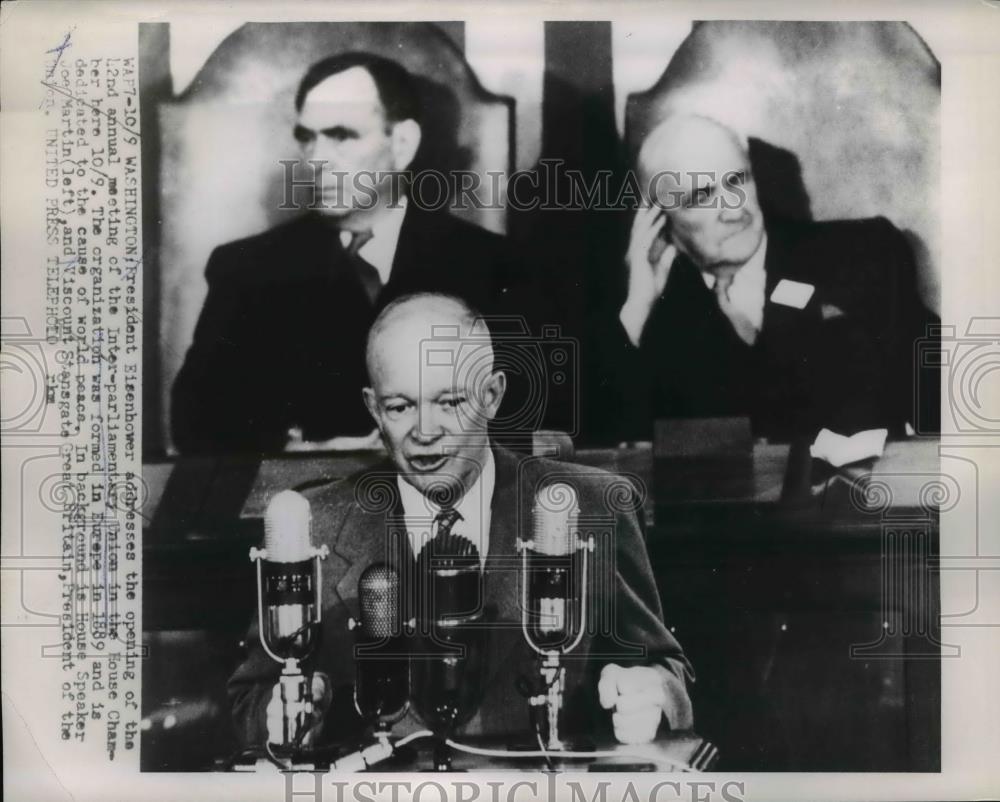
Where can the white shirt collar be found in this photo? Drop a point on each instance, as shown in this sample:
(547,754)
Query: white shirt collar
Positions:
(380,250)
(749,288)
(475,507)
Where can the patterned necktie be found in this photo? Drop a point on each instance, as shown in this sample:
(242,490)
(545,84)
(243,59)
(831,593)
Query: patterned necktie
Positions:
(451,547)
(370,279)
(744,328)
(445,520)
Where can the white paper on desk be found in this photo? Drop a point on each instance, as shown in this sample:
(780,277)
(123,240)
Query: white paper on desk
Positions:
(839,450)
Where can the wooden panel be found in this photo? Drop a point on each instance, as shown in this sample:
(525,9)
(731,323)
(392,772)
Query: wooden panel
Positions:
(775,614)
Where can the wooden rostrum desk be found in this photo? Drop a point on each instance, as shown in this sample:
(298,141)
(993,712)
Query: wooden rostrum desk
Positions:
(807,600)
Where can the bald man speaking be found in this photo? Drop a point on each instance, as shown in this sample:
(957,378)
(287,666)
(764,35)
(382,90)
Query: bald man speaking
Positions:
(433,391)
(798,325)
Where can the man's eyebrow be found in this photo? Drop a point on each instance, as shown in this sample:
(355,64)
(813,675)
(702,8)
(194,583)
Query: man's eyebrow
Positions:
(394,397)
(339,132)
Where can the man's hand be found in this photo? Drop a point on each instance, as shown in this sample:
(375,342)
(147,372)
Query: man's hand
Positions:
(321,694)
(648,262)
(640,695)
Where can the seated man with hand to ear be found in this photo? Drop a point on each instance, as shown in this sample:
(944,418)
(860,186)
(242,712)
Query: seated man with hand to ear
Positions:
(797,325)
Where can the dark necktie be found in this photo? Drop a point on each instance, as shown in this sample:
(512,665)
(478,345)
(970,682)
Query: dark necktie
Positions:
(370,279)
(445,520)
(447,545)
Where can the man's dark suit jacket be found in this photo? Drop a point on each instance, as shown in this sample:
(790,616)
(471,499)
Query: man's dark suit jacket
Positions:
(353,517)
(280,341)
(844,362)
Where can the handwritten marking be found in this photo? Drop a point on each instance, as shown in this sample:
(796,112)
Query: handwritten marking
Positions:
(58,50)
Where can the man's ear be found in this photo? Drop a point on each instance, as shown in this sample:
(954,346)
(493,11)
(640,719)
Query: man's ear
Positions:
(493,391)
(372,403)
(405,138)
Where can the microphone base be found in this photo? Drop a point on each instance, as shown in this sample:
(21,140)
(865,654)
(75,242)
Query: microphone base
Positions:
(442,757)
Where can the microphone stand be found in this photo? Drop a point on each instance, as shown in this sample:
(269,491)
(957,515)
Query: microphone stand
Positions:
(552,670)
(296,690)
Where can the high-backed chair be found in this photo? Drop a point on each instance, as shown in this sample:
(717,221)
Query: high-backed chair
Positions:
(844,118)
(224,138)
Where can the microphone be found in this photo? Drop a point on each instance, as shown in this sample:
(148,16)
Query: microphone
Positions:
(289,592)
(454,593)
(289,602)
(553,595)
(553,611)
(382,679)
(447,667)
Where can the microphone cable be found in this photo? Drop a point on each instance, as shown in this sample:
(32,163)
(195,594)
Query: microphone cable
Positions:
(535,702)
(369,755)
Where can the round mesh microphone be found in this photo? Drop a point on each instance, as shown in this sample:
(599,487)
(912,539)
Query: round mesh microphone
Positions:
(382,681)
(378,598)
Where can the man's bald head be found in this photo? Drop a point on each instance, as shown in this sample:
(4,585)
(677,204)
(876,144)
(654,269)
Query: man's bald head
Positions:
(687,142)
(408,321)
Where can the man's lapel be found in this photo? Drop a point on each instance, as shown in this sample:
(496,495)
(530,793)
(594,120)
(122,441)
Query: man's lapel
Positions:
(370,534)
(316,251)
(408,256)
(780,321)
(423,252)
(502,579)
(503,564)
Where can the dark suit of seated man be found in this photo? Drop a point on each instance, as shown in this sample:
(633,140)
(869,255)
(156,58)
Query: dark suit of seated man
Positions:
(433,420)
(278,352)
(799,326)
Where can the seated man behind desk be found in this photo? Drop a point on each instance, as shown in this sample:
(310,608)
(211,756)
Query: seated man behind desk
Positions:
(797,325)
(278,352)
(433,422)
